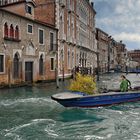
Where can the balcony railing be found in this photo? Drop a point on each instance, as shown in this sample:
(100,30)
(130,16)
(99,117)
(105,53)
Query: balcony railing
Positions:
(12,39)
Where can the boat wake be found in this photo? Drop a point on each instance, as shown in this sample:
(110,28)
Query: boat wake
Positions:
(16,102)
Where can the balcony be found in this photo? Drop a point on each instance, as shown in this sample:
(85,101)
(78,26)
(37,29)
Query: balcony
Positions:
(12,39)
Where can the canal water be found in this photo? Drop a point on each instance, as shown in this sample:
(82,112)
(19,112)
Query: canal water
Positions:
(29,113)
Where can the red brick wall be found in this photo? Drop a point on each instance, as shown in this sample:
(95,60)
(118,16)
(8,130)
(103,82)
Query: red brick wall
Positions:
(45,11)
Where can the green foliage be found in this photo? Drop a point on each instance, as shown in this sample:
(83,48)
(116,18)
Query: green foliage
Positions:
(83,83)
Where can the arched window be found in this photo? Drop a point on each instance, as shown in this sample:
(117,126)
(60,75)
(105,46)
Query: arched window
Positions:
(16,66)
(17,33)
(41,65)
(11,31)
(5,30)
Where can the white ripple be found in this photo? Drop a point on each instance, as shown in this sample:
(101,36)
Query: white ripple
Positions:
(115,111)
(29,100)
(134,113)
(16,137)
(89,137)
(13,130)
(51,133)
(43,120)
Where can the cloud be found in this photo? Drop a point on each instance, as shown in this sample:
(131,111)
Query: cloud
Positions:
(133,37)
(120,19)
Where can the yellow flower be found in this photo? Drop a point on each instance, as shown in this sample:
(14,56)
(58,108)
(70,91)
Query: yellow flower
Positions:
(83,83)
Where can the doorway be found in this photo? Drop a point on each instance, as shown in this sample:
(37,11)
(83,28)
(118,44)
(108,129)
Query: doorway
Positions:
(29,71)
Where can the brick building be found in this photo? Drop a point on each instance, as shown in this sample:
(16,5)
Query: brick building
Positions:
(103,48)
(28,47)
(122,57)
(75,21)
(134,55)
(111,53)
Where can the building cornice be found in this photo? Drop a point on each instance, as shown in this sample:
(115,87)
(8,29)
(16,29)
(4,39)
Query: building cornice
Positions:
(19,2)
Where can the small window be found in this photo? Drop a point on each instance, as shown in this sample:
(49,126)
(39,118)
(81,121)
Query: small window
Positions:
(1,63)
(51,41)
(41,36)
(29,9)
(52,64)
(30,28)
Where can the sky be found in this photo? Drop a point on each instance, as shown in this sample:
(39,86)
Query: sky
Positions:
(120,19)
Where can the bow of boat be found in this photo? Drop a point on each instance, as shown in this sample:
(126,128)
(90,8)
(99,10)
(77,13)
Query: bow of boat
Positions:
(65,96)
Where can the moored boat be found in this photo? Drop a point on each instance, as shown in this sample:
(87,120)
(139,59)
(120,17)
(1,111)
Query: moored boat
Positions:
(77,99)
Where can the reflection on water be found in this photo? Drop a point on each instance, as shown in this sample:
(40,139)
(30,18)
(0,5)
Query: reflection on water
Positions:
(30,114)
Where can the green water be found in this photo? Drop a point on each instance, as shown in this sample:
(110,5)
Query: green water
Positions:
(30,114)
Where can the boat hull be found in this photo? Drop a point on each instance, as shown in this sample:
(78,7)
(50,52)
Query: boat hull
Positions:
(96,100)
